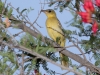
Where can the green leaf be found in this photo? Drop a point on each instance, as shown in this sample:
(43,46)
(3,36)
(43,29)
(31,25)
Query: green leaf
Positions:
(67,3)
(26,66)
(1,7)
(51,50)
(97,63)
(23,11)
(9,12)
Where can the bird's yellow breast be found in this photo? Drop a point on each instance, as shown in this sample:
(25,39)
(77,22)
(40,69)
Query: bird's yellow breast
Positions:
(54,29)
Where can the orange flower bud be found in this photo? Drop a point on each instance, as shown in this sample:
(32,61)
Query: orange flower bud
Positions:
(7,22)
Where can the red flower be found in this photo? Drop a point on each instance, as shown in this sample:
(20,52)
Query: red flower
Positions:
(88,6)
(86,17)
(95,28)
(98,2)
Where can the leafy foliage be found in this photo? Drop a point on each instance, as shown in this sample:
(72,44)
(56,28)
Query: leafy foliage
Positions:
(35,44)
(90,45)
(8,56)
(61,4)
(1,7)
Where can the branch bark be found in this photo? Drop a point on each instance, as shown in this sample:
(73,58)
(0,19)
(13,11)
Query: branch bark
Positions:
(38,55)
(65,52)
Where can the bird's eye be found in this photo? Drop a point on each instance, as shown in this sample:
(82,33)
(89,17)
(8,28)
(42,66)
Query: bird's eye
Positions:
(49,11)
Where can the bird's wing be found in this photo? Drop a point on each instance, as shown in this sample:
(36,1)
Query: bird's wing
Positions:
(61,27)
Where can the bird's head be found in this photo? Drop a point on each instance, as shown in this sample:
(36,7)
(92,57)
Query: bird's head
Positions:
(49,13)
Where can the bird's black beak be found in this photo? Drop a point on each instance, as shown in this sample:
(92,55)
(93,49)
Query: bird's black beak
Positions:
(43,11)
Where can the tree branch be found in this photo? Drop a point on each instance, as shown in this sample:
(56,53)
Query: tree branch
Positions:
(38,55)
(65,52)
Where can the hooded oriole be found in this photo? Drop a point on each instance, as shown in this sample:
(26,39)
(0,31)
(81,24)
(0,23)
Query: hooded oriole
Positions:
(55,31)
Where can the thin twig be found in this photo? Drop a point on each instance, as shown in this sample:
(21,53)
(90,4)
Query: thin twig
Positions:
(69,71)
(22,64)
(79,49)
(86,52)
(18,33)
(38,55)
(25,19)
(13,39)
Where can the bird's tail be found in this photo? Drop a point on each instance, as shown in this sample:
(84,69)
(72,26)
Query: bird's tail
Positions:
(64,59)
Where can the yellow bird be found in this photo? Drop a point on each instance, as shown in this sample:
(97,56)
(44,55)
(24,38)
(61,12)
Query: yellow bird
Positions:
(55,31)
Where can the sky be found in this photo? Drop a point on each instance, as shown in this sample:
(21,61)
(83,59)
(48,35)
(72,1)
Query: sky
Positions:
(64,17)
